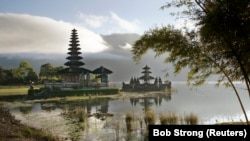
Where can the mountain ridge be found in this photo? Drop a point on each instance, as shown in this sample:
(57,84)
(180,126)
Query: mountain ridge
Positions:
(116,57)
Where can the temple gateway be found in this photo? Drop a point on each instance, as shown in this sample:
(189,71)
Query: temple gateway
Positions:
(143,83)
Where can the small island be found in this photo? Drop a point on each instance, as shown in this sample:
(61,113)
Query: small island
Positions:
(76,80)
(135,85)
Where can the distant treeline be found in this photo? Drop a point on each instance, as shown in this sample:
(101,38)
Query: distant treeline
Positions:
(25,74)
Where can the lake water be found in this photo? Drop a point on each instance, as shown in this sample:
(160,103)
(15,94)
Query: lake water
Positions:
(210,103)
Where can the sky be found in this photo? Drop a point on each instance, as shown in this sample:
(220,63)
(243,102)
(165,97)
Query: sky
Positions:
(44,26)
(100,16)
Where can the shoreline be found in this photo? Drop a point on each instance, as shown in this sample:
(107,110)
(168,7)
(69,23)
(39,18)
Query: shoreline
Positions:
(13,129)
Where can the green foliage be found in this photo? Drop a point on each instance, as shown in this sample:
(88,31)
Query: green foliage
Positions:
(12,94)
(48,72)
(22,75)
(181,52)
(83,92)
(219,45)
(25,74)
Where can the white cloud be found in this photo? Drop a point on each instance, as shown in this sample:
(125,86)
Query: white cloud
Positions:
(22,33)
(124,24)
(127,46)
(93,20)
(110,24)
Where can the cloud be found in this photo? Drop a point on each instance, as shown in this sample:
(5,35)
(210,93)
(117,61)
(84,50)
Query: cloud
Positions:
(127,46)
(110,24)
(23,33)
(93,20)
(123,24)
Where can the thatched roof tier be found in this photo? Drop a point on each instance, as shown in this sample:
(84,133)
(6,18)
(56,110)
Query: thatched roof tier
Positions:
(74,53)
(74,63)
(74,58)
(146,68)
(146,77)
(75,70)
(74,44)
(146,71)
(102,70)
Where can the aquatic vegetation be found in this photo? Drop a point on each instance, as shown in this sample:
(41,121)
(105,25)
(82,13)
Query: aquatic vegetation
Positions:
(149,117)
(78,113)
(129,121)
(170,118)
(191,119)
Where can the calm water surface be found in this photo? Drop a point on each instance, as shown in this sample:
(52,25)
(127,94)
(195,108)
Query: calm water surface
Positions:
(210,103)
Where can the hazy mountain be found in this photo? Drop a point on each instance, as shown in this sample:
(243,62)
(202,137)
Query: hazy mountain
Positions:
(119,40)
(117,57)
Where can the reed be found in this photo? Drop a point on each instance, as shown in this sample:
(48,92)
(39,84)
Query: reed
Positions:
(81,114)
(129,121)
(191,119)
(170,118)
(149,117)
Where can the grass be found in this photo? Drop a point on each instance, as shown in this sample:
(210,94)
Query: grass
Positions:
(10,93)
(12,129)
(25,132)
(15,90)
(14,93)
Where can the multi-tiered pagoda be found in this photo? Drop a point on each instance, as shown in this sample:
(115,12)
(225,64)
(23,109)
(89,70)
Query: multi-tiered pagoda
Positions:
(74,75)
(146,77)
(136,85)
(74,64)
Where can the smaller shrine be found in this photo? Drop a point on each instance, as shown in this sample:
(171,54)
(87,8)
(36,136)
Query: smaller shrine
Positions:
(143,83)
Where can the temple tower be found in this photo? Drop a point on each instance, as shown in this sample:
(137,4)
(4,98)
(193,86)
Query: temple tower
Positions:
(74,68)
(146,75)
(74,62)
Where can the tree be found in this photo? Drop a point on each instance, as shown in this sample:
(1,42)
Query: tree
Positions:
(31,76)
(15,76)
(3,76)
(26,72)
(7,77)
(219,45)
(49,72)
(46,71)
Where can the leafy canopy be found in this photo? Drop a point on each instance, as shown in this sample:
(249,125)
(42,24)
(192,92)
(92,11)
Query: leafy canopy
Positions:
(219,44)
